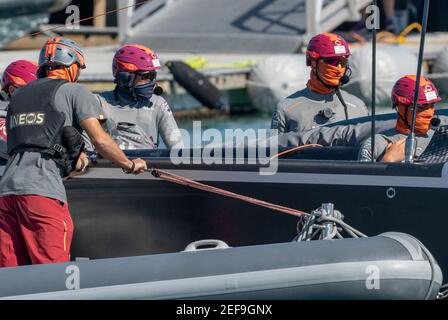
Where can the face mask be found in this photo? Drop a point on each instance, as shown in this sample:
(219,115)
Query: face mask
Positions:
(145,90)
(127,90)
(422,123)
(328,74)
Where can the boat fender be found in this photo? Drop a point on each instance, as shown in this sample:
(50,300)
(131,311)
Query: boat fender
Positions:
(275,78)
(395,62)
(198,85)
(209,244)
(419,252)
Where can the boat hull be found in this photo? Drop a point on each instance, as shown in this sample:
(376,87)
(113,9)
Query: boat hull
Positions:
(119,215)
(389,266)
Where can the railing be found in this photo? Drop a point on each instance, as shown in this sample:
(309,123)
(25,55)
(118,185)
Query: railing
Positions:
(321,15)
(127,19)
(323,18)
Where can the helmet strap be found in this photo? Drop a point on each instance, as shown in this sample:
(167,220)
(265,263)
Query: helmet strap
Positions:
(405,118)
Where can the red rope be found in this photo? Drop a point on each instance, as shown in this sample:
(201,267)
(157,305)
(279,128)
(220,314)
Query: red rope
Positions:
(295,149)
(170,177)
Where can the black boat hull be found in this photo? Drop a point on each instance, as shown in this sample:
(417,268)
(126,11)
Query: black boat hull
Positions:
(118,215)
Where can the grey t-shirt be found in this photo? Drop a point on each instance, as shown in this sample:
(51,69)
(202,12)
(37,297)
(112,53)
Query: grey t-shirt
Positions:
(149,120)
(34,173)
(382,140)
(303,110)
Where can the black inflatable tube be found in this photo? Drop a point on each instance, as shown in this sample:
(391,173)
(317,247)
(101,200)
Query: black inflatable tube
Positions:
(198,85)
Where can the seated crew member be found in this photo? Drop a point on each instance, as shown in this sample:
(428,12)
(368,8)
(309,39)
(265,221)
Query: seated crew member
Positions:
(136,116)
(390,145)
(321,102)
(35,222)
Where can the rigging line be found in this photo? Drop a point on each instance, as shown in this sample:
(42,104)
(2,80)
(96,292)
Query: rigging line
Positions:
(375,3)
(295,149)
(171,177)
(85,19)
(410,141)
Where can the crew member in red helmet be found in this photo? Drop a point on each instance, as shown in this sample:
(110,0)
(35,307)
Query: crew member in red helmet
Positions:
(321,102)
(137,115)
(17,74)
(390,145)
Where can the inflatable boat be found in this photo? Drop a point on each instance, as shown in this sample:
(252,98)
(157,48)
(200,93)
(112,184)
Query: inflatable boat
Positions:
(389,266)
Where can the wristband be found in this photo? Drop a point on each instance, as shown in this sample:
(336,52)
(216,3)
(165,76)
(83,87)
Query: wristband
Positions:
(130,170)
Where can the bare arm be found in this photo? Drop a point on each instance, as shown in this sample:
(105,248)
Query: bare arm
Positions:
(395,152)
(108,148)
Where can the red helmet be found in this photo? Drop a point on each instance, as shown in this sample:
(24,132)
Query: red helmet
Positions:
(18,74)
(404,89)
(327,45)
(134,58)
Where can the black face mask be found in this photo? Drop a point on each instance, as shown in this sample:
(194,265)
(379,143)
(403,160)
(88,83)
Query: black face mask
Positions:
(127,89)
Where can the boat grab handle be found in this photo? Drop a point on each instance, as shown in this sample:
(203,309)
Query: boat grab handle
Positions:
(217,244)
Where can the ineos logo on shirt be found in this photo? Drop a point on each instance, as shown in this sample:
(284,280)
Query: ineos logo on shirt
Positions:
(27,119)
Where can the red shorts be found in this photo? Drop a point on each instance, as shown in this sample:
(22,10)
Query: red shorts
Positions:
(34,230)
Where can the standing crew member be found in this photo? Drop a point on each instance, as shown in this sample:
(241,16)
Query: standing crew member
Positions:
(390,145)
(35,223)
(321,102)
(136,115)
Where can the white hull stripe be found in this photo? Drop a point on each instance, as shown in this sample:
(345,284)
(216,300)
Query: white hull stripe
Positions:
(284,178)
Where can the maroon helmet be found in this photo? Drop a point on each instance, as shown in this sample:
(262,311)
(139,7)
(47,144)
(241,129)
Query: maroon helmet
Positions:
(18,74)
(135,58)
(327,45)
(404,89)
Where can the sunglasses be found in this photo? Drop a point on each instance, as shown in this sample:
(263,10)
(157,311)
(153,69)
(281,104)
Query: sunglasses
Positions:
(422,107)
(151,75)
(343,61)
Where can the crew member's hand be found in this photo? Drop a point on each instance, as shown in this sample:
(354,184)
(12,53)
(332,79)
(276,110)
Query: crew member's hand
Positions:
(137,166)
(395,152)
(82,164)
